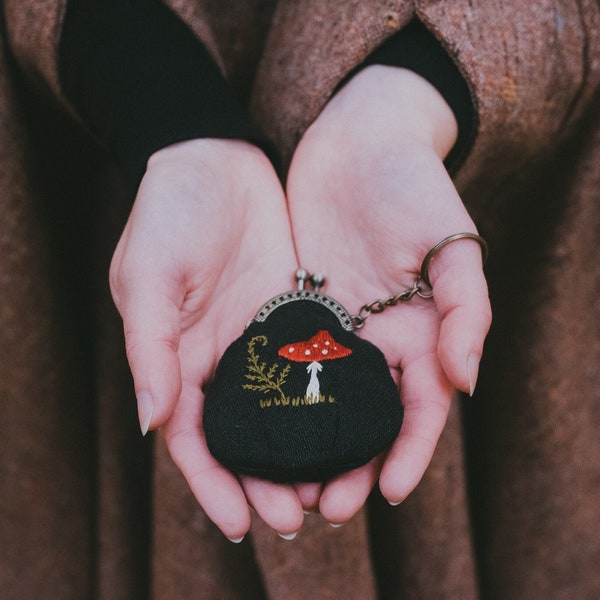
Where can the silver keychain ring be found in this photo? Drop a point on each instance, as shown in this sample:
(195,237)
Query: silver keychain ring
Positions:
(424,274)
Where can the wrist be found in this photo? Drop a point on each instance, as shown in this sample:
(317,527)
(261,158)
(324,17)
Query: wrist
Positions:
(424,113)
(392,105)
(203,151)
(214,180)
(204,164)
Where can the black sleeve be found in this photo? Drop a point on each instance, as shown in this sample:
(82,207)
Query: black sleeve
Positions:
(141,80)
(416,48)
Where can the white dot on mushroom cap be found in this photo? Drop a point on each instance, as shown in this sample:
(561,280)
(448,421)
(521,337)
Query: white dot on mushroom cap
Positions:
(324,351)
(327,343)
(291,349)
(315,345)
(335,347)
(307,352)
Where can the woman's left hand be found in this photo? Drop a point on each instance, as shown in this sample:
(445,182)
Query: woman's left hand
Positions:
(368,197)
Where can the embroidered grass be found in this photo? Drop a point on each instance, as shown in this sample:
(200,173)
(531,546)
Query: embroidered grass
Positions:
(295,402)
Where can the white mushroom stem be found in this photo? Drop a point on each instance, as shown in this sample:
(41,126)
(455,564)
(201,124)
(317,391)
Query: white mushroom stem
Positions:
(313,391)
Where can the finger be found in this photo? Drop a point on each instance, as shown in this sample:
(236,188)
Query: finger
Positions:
(426,395)
(461,298)
(151,324)
(309,495)
(277,504)
(345,495)
(216,489)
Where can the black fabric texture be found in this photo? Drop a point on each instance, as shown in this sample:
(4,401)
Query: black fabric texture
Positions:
(258,418)
(141,81)
(414,47)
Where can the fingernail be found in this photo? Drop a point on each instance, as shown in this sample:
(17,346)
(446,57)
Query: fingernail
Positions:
(472,371)
(287,536)
(236,540)
(394,503)
(336,525)
(308,512)
(145,410)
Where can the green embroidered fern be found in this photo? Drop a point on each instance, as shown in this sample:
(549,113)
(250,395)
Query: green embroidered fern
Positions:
(255,371)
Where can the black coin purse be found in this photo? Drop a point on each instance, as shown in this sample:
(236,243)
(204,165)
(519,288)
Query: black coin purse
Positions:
(299,396)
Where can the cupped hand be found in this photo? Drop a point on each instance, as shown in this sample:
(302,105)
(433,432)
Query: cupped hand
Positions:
(368,196)
(207,241)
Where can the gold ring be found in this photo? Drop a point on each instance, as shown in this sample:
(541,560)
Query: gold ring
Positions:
(424,275)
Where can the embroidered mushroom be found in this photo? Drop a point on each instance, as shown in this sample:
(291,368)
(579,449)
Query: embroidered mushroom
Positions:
(320,347)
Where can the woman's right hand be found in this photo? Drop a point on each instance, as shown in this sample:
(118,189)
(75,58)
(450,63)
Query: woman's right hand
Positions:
(207,241)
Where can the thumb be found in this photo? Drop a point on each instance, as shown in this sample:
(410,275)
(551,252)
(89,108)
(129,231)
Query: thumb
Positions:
(151,323)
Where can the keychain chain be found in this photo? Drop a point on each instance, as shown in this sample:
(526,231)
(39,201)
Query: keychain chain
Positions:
(378,306)
(372,308)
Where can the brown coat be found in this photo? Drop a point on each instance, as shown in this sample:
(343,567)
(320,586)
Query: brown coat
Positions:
(510,506)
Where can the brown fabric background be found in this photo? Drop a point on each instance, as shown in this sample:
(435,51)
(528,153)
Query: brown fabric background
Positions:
(34,30)
(510,506)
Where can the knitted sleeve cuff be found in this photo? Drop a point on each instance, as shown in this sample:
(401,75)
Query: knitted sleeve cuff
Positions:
(141,80)
(415,48)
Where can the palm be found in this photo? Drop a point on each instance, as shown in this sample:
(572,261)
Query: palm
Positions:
(211,318)
(258,263)
(369,236)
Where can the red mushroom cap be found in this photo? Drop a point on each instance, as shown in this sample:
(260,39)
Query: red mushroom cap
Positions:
(320,347)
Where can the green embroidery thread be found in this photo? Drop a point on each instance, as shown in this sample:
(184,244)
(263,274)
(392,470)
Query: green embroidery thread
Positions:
(296,402)
(264,380)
